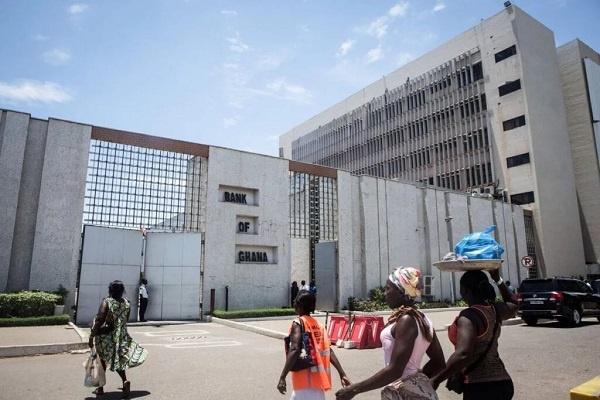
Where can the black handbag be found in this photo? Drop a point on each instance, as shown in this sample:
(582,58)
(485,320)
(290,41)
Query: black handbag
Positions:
(456,383)
(307,357)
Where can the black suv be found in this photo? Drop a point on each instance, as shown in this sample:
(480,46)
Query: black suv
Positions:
(564,299)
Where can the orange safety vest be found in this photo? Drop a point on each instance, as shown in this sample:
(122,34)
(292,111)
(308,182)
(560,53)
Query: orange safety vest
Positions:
(319,376)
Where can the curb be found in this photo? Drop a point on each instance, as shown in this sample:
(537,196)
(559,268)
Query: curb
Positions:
(249,328)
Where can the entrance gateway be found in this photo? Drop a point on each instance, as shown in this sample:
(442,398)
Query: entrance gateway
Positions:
(171,263)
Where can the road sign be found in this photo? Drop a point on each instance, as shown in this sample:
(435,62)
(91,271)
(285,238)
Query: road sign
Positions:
(528,261)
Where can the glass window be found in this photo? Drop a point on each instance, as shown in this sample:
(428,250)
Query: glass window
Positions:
(522,198)
(513,123)
(501,55)
(517,160)
(509,87)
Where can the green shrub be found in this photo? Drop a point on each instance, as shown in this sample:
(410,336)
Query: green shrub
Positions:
(62,292)
(35,321)
(432,304)
(27,304)
(375,302)
(267,312)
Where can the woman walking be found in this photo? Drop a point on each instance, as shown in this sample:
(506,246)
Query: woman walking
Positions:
(475,334)
(116,349)
(310,383)
(407,337)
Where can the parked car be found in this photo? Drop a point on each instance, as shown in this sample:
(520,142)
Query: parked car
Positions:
(564,299)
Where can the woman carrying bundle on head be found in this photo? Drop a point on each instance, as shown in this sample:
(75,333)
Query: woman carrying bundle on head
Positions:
(475,368)
(406,338)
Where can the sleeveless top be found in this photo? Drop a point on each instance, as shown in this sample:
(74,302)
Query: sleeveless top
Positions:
(491,368)
(420,348)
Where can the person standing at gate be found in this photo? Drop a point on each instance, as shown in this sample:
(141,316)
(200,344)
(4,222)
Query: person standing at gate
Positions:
(406,338)
(295,290)
(303,285)
(143,300)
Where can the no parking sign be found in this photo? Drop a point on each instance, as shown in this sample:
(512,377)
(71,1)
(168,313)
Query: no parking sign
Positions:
(528,261)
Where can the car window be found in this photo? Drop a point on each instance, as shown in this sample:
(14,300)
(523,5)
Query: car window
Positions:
(583,288)
(568,286)
(542,285)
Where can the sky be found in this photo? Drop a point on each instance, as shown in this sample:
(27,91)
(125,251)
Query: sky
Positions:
(236,73)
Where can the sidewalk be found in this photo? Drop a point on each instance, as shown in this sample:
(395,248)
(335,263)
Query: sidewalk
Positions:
(36,340)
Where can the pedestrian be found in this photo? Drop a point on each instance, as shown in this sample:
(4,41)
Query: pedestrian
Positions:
(510,287)
(310,383)
(475,334)
(303,285)
(143,299)
(295,290)
(116,349)
(406,338)
(312,287)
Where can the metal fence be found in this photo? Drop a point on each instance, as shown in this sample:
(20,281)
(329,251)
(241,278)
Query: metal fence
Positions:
(130,186)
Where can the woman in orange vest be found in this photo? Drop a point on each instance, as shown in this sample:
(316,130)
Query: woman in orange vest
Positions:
(407,337)
(310,383)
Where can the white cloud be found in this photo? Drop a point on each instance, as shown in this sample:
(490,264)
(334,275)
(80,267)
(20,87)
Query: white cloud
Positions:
(374,54)
(269,61)
(345,48)
(404,58)
(305,28)
(378,27)
(236,44)
(439,7)
(288,91)
(57,57)
(229,12)
(76,9)
(34,91)
(39,38)
(231,121)
(399,10)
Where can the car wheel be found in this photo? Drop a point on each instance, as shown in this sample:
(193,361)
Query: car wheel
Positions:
(531,321)
(576,317)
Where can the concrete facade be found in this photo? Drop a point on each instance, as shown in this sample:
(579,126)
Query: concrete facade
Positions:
(248,249)
(44,165)
(528,150)
(581,87)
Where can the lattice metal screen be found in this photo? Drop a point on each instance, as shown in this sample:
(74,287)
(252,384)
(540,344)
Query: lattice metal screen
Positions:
(313,207)
(530,239)
(129,186)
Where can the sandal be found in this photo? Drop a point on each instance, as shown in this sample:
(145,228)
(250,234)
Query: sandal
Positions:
(126,389)
(99,391)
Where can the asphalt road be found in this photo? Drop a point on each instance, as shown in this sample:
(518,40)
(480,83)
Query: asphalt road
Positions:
(210,361)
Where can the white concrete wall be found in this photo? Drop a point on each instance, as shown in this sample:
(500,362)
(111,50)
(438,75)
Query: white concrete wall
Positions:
(400,223)
(248,283)
(13,136)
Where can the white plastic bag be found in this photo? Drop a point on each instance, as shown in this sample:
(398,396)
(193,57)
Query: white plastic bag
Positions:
(94,373)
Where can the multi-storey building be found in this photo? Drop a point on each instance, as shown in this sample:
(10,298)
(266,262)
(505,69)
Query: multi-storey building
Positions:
(580,76)
(483,113)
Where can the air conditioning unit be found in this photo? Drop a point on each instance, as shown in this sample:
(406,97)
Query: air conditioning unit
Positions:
(489,190)
(469,189)
(475,191)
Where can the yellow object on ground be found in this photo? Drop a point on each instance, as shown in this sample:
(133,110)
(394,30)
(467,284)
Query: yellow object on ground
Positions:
(587,391)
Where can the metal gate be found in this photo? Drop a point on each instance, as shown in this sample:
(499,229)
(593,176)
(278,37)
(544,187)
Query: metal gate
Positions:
(326,267)
(172,265)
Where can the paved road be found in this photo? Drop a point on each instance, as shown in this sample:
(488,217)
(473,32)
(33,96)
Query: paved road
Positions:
(210,361)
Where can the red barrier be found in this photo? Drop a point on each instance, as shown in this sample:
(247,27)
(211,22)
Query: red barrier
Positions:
(338,326)
(366,331)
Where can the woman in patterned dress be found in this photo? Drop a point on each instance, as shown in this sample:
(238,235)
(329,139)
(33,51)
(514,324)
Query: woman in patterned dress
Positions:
(114,346)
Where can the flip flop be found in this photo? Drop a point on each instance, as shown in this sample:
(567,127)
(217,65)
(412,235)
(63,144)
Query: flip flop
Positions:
(126,389)
(98,392)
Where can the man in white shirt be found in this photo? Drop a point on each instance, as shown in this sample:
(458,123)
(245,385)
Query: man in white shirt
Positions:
(143,299)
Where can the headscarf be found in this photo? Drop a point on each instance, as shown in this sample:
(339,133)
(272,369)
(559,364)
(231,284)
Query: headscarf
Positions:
(408,279)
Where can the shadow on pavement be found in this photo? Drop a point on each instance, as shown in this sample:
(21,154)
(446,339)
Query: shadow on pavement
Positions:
(118,394)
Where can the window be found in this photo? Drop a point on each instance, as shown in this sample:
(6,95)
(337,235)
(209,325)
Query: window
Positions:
(501,55)
(513,123)
(517,160)
(522,198)
(477,71)
(509,87)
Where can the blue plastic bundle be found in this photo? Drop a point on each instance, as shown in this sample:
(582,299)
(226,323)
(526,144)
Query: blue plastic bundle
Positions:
(479,246)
